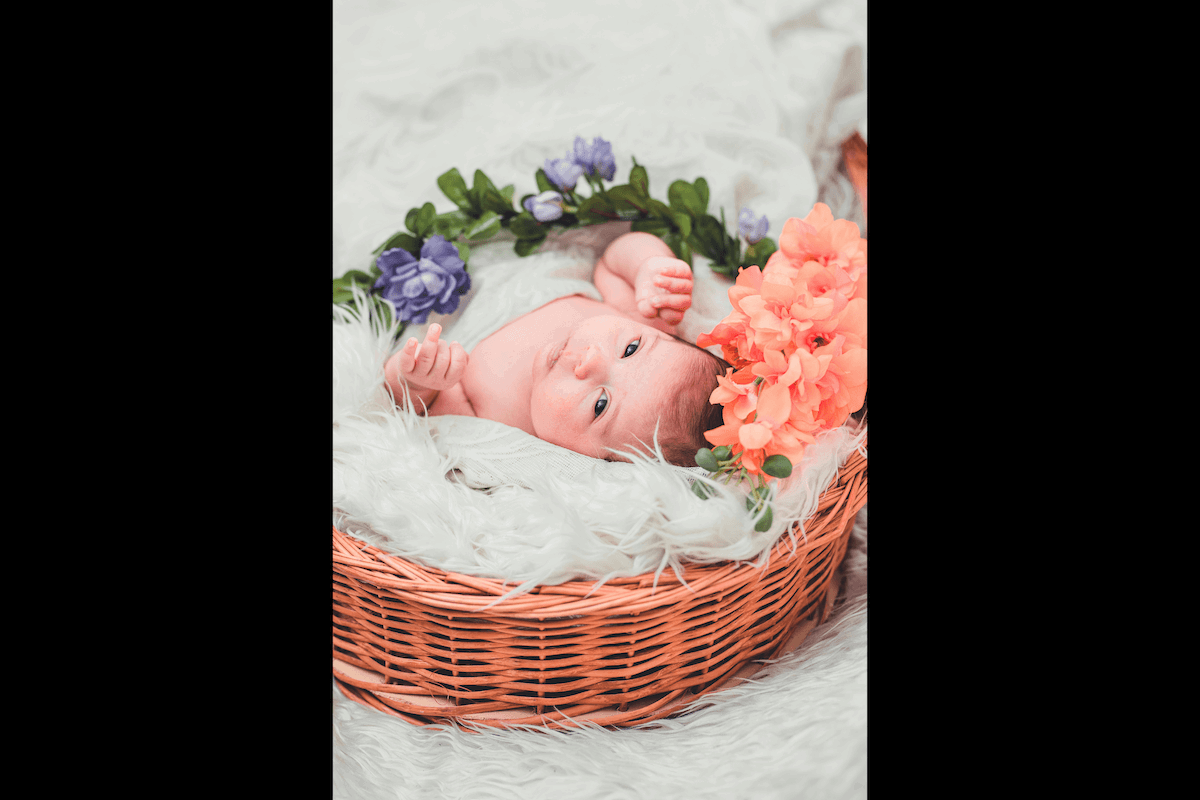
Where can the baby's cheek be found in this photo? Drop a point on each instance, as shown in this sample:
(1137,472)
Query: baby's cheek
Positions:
(552,417)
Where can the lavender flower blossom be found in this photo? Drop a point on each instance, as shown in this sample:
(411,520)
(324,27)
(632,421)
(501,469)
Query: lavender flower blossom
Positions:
(562,172)
(751,227)
(546,207)
(417,286)
(595,158)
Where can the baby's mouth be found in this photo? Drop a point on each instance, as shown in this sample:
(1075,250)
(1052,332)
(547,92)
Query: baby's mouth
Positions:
(555,353)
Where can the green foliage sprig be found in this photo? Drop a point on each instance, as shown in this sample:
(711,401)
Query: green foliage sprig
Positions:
(483,211)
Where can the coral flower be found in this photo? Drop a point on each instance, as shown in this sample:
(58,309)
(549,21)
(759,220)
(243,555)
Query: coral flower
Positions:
(796,338)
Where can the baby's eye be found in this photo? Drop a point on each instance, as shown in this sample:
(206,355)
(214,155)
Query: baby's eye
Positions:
(602,403)
(632,348)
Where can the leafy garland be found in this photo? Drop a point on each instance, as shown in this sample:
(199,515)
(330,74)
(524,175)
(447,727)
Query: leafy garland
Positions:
(483,211)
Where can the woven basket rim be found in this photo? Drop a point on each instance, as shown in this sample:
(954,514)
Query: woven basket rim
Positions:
(462,592)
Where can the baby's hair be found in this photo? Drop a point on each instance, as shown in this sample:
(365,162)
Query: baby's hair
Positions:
(693,414)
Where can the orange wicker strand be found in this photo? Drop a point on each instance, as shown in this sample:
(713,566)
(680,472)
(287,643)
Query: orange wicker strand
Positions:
(433,647)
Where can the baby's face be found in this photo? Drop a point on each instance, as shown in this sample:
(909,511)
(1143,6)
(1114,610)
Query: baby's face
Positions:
(606,385)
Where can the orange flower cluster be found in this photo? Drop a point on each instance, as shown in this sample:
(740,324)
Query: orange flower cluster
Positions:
(797,340)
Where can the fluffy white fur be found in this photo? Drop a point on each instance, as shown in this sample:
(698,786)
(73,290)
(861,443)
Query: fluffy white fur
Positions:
(752,94)
(390,488)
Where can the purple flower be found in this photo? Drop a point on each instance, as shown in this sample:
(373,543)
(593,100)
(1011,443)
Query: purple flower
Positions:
(417,286)
(753,228)
(595,158)
(546,207)
(562,172)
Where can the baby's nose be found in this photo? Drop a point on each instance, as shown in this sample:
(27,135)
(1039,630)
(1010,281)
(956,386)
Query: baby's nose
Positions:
(588,363)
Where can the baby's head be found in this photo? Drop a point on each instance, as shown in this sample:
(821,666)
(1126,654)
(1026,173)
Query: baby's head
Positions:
(613,380)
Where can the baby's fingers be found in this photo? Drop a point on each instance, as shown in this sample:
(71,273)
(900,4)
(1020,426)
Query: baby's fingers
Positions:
(408,355)
(678,302)
(458,363)
(674,285)
(427,352)
(670,316)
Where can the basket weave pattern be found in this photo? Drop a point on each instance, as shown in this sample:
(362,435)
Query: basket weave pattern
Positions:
(417,642)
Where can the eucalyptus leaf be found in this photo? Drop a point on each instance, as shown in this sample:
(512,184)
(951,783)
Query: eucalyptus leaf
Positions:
(701,490)
(455,188)
(706,459)
(524,247)
(764,523)
(777,466)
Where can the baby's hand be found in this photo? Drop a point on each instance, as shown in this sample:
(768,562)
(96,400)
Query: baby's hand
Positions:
(663,289)
(432,364)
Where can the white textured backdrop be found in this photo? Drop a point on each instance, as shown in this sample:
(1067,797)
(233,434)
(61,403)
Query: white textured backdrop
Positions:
(755,96)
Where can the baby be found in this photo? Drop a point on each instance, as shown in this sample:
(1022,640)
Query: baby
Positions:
(593,377)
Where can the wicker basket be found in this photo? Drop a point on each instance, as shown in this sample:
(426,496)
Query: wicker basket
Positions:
(417,643)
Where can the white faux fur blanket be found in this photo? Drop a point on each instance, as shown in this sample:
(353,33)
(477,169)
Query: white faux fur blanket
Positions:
(754,95)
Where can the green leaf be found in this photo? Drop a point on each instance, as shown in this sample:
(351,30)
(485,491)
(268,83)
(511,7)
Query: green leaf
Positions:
(654,226)
(507,193)
(777,466)
(759,252)
(487,226)
(765,522)
(628,197)
(683,222)
(723,453)
(464,252)
(701,187)
(682,197)
(706,459)
(424,220)
(596,209)
(709,237)
(402,239)
(489,196)
(358,276)
(679,247)
(543,183)
(639,179)
(410,220)
(524,226)
(451,224)
(454,187)
(524,247)
(701,490)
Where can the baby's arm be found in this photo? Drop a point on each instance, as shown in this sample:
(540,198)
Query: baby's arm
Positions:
(639,275)
(427,369)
